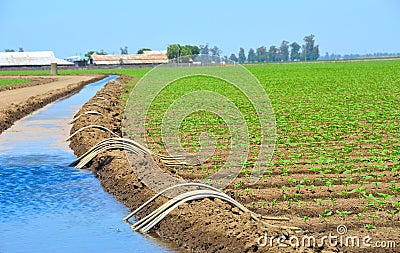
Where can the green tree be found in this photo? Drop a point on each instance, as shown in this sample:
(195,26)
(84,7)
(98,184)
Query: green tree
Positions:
(310,51)
(204,49)
(141,51)
(9,50)
(189,48)
(305,54)
(88,54)
(21,49)
(173,51)
(194,49)
(251,56)
(294,51)
(101,52)
(215,51)
(242,56)
(273,54)
(124,50)
(284,50)
(233,58)
(185,51)
(315,53)
(261,53)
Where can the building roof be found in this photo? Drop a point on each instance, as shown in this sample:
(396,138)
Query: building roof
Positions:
(152,52)
(39,58)
(116,59)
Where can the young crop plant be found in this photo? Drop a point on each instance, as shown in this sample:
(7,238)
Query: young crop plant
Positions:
(300,203)
(262,204)
(369,227)
(359,216)
(291,180)
(305,219)
(325,215)
(392,213)
(359,190)
(274,202)
(343,214)
(376,184)
(333,200)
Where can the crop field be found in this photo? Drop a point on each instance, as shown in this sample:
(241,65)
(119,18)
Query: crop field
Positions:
(8,82)
(338,143)
(338,147)
(337,153)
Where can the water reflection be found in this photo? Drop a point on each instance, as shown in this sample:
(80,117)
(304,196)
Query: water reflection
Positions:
(46,206)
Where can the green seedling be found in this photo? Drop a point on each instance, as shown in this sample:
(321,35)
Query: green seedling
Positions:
(305,219)
(369,227)
(325,215)
(273,203)
(392,213)
(343,214)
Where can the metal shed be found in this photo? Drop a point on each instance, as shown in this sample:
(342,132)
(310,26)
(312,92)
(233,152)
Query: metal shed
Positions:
(124,59)
(39,58)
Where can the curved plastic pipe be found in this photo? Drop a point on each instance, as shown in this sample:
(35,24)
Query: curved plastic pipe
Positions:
(148,222)
(80,115)
(91,126)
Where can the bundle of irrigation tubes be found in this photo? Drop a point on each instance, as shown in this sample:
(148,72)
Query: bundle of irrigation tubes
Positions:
(152,219)
(118,143)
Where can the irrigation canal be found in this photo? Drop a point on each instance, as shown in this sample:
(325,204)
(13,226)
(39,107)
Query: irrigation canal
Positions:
(46,206)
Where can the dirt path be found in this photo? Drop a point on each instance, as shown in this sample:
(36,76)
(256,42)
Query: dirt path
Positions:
(17,96)
(19,102)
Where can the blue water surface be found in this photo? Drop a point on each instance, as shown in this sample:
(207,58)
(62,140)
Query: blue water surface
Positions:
(46,206)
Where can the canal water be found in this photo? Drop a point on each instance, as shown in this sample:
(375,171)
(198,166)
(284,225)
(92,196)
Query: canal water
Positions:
(46,206)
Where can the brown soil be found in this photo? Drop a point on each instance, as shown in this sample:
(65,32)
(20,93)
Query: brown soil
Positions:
(22,100)
(209,225)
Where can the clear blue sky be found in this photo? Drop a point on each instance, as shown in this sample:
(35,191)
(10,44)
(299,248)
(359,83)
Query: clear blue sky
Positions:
(77,26)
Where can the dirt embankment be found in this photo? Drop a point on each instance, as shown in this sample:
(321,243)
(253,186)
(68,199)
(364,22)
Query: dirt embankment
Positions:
(17,103)
(199,226)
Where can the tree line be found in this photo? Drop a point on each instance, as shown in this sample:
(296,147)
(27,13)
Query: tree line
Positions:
(334,57)
(124,50)
(285,52)
(12,50)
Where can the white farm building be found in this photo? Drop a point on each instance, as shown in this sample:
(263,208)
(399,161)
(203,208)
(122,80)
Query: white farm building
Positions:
(30,59)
